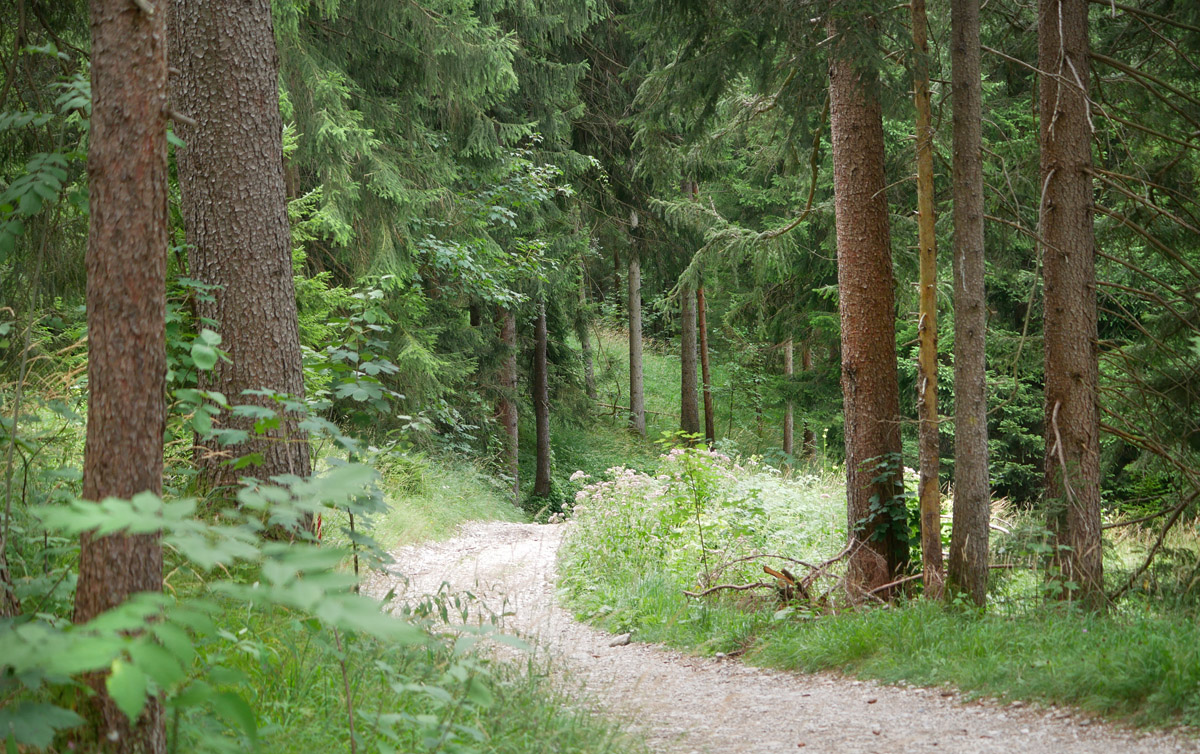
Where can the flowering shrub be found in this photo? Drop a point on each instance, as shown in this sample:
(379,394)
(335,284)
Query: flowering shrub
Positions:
(685,526)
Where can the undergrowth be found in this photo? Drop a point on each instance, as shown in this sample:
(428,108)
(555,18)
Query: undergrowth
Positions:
(635,548)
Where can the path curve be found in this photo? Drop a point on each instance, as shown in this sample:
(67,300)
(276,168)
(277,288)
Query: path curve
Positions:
(684,704)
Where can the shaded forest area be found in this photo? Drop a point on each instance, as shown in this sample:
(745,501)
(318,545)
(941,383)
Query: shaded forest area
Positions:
(261,262)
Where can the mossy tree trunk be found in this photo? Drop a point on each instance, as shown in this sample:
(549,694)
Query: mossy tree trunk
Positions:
(541,405)
(710,418)
(507,405)
(637,395)
(928,443)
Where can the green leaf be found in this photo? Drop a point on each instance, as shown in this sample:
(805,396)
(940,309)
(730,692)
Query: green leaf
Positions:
(127,685)
(234,710)
(204,356)
(34,724)
(479,693)
(176,641)
(158,663)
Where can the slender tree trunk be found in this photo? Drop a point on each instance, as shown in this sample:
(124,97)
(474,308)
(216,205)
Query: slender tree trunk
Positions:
(789,417)
(809,443)
(928,491)
(689,396)
(507,408)
(235,212)
(968,572)
(541,405)
(870,388)
(710,418)
(1072,463)
(637,397)
(126,315)
(585,341)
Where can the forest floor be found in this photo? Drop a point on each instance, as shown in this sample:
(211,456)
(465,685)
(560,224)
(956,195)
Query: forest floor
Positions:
(684,703)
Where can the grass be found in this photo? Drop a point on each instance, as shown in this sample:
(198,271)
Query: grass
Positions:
(421,698)
(428,499)
(634,548)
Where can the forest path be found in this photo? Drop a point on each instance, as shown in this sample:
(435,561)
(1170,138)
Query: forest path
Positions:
(685,704)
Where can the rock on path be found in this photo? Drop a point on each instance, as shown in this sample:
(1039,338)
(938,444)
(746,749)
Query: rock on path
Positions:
(684,704)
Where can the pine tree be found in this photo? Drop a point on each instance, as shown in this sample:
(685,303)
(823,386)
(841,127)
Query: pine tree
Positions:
(870,391)
(235,213)
(967,571)
(1072,465)
(928,489)
(126,315)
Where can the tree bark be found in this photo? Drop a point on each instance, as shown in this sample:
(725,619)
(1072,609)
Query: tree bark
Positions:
(968,571)
(1072,461)
(507,408)
(234,206)
(710,418)
(126,314)
(928,443)
(541,405)
(809,443)
(789,416)
(585,340)
(689,397)
(637,396)
(871,394)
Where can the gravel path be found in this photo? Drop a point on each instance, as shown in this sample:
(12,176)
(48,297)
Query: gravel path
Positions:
(684,704)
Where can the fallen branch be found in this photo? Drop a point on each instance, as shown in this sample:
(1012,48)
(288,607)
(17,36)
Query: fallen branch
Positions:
(1133,521)
(616,407)
(732,587)
(1162,535)
(897,582)
(721,568)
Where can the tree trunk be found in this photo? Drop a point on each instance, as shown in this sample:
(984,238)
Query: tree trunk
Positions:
(870,388)
(710,418)
(689,396)
(126,314)
(235,212)
(541,406)
(637,396)
(507,408)
(789,417)
(585,341)
(1072,461)
(809,443)
(968,572)
(928,491)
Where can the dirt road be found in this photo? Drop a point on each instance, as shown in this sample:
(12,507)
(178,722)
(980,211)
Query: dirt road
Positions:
(684,704)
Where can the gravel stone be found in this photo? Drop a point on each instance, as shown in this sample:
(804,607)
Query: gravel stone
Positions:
(683,703)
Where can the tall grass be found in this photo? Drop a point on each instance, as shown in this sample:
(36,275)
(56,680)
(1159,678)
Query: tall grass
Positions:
(634,550)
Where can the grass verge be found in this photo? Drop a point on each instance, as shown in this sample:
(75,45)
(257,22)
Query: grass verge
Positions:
(637,542)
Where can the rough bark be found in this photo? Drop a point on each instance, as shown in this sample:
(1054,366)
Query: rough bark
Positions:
(689,396)
(507,407)
(126,310)
(541,405)
(234,206)
(968,571)
(928,491)
(871,395)
(585,341)
(637,395)
(710,418)
(1072,461)
(789,414)
(809,443)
